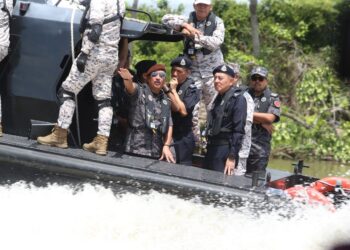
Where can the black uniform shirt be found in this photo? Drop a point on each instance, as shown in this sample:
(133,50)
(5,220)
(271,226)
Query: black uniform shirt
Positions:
(234,121)
(183,125)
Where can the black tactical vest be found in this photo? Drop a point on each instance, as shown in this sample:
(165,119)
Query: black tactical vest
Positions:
(215,122)
(149,112)
(264,101)
(84,22)
(210,26)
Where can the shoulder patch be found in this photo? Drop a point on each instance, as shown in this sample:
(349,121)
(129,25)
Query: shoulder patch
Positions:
(277,104)
(274,95)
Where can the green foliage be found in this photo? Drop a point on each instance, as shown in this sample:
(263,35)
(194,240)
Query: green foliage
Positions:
(162,52)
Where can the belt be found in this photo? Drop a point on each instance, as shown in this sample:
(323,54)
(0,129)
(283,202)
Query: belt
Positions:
(107,20)
(218,141)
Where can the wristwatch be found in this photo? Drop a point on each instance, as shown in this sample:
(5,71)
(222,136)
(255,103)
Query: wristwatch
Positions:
(166,89)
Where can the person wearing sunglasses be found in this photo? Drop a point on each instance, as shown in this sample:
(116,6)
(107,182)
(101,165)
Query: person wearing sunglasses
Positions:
(6,8)
(184,95)
(226,122)
(267,111)
(150,125)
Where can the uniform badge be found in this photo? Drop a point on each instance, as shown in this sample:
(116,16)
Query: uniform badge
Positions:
(263,99)
(191,51)
(165,102)
(150,98)
(183,62)
(180,92)
(208,23)
(277,104)
(223,68)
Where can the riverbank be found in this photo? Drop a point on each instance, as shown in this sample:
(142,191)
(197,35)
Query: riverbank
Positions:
(317,168)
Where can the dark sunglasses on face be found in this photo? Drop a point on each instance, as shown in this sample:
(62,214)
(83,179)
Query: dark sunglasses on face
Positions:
(257,78)
(161,74)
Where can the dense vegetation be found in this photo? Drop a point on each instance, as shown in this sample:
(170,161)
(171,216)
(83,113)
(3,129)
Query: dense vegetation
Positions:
(299,43)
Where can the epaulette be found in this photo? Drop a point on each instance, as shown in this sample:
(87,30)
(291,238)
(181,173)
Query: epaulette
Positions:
(274,95)
(238,92)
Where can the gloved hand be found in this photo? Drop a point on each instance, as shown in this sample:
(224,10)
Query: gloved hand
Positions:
(81,61)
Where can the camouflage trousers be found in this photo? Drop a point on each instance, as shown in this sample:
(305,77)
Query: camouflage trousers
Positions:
(207,95)
(245,149)
(99,69)
(3,54)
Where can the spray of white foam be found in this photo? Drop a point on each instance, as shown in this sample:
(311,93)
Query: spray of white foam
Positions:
(57,217)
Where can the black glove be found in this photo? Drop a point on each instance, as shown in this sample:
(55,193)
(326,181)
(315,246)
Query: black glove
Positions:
(81,61)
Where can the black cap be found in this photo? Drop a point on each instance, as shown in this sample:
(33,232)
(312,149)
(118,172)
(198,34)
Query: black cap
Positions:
(261,71)
(144,65)
(181,61)
(227,69)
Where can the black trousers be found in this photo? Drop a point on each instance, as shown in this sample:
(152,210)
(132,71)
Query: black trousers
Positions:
(216,157)
(256,163)
(184,146)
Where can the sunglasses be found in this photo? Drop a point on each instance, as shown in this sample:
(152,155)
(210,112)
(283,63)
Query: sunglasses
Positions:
(161,74)
(257,78)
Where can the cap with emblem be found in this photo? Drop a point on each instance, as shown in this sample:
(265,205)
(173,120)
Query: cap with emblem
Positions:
(261,71)
(225,69)
(181,61)
(207,2)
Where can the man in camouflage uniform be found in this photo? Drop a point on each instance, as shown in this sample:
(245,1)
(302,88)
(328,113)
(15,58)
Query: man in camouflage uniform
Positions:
(204,33)
(243,153)
(150,124)
(267,111)
(6,8)
(96,62)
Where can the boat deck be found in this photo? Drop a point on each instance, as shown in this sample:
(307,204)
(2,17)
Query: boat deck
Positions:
(20,152)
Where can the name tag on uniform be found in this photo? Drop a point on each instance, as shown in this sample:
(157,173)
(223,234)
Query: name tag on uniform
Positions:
(152,125)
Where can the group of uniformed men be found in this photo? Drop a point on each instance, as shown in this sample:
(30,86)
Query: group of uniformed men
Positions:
(162,120)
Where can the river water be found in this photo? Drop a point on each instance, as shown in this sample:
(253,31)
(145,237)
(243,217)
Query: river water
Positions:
(316,168)
(60,217)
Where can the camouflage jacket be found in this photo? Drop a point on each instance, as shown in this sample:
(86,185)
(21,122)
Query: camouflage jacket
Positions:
(99,11)
(4,23)
(202,64)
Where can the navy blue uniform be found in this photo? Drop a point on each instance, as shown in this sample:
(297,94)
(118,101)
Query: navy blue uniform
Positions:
(183,136)
(225,135)
(260,149)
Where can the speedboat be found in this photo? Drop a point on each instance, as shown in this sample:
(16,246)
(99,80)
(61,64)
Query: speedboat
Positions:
(43,39)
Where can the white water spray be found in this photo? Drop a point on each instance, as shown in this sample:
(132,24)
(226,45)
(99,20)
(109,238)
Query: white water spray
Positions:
(57,217)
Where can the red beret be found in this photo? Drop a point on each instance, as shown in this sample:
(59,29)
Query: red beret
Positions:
(156,67)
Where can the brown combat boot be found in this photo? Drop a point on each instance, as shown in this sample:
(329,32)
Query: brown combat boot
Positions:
(57,138)
(0,129)
(98,145)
